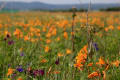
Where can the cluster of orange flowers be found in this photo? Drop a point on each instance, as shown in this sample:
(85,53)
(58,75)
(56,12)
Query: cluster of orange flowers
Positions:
(81,58)
(109,28)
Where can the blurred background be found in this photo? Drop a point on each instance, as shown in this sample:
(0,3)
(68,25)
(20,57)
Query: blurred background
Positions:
(59,5)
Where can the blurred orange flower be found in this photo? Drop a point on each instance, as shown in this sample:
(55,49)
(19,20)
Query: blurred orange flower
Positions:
(94,74)
(47,48)
(68,51)
(10,71)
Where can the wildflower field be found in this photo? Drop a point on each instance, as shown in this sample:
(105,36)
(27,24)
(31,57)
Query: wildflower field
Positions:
(54,46)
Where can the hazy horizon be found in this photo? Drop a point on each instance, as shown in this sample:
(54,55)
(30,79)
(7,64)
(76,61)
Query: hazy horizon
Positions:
(67,1)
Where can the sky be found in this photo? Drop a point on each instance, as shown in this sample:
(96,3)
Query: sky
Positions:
(68,1)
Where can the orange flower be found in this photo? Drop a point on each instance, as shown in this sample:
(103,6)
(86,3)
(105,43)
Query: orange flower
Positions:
(94,74)
(60,55)
(106,29)
(18,33)
(65,35)
(101,61)
(58,39)
(116,63)
(19,78)
(10,71)
(81,58)
(111,27)
(48,35)
(48,41)
(68,51)
(90,64)
(26,38)
(118,27)
(44,29)
(47,48)
(56,72)
(44,61)
(54,32)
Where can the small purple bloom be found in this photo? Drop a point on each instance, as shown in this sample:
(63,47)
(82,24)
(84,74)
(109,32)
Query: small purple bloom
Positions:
(9,65)
(38,72)
(10,42)
(20,69)
(22,54)
(96,46)
(41,72)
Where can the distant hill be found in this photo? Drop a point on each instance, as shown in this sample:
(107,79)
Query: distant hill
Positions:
(39,5)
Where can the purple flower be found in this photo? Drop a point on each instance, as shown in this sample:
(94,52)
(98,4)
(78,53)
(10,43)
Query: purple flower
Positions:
(10,42)
(41,72)
(38,72)
(96,46)
(20,69)
(5,39)
(57,62)
(9,65)
(22,54)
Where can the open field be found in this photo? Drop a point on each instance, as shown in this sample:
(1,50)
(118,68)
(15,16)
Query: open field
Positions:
(39,46)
